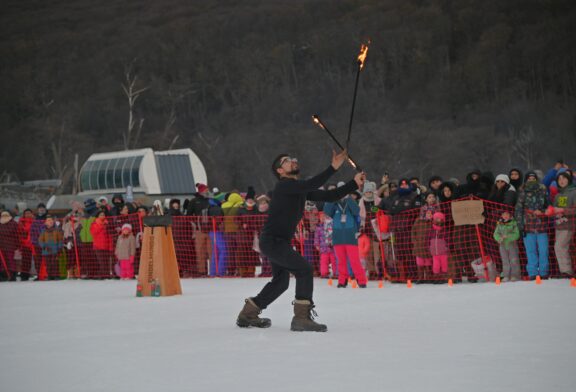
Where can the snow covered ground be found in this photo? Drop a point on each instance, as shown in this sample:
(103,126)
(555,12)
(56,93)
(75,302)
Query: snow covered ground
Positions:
(97,336)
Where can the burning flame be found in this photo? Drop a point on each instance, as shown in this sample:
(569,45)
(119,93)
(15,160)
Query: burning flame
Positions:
(317,121)
(362,55)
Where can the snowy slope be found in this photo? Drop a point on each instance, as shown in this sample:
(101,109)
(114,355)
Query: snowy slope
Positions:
(97,336)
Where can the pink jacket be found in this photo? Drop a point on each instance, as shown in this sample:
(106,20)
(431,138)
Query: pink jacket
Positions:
(439,241)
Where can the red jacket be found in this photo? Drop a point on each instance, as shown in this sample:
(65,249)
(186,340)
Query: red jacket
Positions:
(24,226)
(101,236)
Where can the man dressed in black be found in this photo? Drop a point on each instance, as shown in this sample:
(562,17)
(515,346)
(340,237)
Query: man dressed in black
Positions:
(286,210)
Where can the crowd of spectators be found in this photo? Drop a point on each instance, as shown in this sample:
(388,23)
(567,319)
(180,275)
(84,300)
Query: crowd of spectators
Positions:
(396,230)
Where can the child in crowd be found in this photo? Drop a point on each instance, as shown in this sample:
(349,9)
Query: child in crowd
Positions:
(51,242)
(439,247)
(420,243)
(125,251)
(431,203)
(364,248)
(507,236)
(323,242)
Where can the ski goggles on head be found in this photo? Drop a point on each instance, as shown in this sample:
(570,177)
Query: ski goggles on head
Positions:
(287,159)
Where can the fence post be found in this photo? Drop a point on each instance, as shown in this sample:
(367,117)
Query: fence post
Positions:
(481,244)
(301,233)
(75,246)
(482,254)
(5,265)
(214,241)
(380,243)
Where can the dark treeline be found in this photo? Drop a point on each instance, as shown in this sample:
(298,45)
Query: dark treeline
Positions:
(449,85)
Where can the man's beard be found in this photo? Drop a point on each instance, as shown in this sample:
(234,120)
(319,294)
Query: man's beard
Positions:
(294,172)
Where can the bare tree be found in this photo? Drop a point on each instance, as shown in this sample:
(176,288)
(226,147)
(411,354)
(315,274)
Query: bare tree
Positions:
(132,135)
(523,143)
(59,168)
(170,121)
(210,144)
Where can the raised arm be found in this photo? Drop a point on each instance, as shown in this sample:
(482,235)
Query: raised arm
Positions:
(334,194)
(305,186)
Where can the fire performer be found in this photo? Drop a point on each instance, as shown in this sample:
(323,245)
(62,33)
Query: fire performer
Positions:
(286,210)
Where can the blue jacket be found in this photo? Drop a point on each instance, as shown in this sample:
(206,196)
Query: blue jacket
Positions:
(550,177)
(344,233)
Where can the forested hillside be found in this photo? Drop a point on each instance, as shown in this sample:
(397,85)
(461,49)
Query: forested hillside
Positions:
(449,85)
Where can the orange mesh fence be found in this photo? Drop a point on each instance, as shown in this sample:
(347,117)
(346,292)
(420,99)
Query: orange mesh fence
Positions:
(407,246)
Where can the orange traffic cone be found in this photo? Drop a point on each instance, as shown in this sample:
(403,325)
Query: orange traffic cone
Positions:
(381,284)
(42,271)
(538,279)
(497,281)
(450,282)
(354,284)
(573,282)
(409,283)
(330,282)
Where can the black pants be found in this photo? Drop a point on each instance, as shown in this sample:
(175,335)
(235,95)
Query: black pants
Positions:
(284,260)
(104,260)
(26,263)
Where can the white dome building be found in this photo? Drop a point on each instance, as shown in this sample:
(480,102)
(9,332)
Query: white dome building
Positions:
(173,172)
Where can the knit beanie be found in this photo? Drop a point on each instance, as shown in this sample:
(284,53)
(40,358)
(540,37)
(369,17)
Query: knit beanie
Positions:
(529,174)
(201,188)
(566,175)
(369,187)
(502,177)
(439,216)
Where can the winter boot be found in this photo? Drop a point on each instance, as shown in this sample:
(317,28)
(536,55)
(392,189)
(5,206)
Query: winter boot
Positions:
(304,317)
(248,317)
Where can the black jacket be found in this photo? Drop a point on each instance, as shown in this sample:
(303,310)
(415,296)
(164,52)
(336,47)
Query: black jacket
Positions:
(200,207)
(289,198)
(504,196)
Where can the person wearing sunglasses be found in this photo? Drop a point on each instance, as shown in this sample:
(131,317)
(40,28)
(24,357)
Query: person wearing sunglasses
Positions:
(286,210)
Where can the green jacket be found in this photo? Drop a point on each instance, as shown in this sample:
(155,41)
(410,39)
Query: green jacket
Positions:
(506,233)
(85,234)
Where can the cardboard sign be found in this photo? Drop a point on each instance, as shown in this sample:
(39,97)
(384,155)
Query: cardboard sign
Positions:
(468,212)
